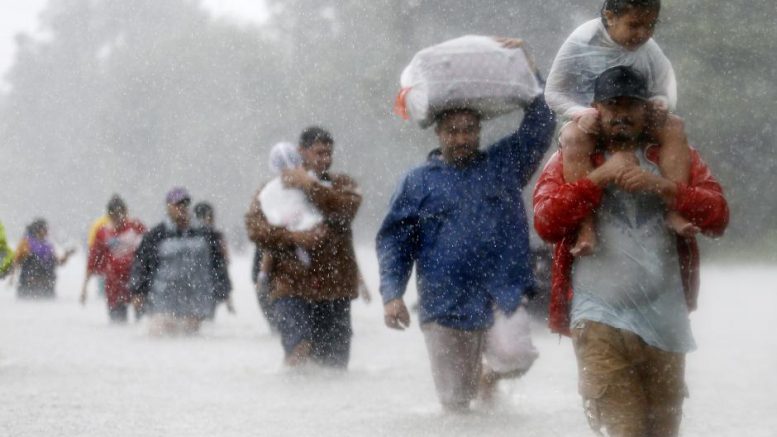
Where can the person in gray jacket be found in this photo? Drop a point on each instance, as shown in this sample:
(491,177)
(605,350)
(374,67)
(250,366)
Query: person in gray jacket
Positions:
(179,270)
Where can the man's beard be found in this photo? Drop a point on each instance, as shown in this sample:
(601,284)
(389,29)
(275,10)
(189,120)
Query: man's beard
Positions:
(621,136)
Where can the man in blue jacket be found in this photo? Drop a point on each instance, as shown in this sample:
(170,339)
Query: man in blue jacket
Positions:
(460,219)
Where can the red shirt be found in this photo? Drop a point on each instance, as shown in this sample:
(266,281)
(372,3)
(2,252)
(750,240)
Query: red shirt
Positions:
(113,253)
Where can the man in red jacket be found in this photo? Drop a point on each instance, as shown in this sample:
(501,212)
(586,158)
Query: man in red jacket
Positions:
(626,306)
(112,255)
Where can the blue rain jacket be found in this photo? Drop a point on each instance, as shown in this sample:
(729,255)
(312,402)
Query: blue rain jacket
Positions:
(465,229)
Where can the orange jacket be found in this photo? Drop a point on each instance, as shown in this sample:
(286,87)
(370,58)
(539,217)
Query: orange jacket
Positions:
(560,207)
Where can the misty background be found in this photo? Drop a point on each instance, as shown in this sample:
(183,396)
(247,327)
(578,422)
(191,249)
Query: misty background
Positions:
(111,96)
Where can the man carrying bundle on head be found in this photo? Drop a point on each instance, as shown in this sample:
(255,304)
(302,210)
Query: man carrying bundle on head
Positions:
(459,218)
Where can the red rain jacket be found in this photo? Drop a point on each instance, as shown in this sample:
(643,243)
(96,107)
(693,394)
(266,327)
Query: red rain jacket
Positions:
(560,207)
(112,255)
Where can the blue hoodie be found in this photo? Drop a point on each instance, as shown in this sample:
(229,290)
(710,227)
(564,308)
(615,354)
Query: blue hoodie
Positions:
(465,229)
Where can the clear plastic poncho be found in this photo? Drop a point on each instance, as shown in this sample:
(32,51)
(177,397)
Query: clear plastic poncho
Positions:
(589,51)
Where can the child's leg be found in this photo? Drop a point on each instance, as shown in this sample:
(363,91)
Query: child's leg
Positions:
(675,164)
(577,147)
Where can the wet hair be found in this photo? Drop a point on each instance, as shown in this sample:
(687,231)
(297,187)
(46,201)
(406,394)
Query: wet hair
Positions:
(38,225)
(203,210)
(620,7)
(115,204)
(315,134)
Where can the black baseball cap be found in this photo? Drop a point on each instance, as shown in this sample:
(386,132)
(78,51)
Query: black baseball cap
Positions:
(620,81)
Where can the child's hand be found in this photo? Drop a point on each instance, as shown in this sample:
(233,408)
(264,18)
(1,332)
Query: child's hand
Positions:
(588,122)
(659,111)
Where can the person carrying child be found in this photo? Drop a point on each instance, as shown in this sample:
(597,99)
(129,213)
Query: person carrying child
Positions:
(622,36)
(302,222)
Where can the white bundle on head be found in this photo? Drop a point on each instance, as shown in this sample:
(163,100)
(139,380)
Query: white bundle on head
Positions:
(474,72)
(284,155)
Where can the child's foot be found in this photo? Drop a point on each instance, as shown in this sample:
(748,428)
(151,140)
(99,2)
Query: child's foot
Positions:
(586,240)
(680,225)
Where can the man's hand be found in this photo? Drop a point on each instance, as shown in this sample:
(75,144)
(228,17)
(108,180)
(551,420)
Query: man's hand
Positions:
(309,239)
(612,169)
(509,43)
(364,291)
(395,314)
(517,43)
(297,178)
(637,179)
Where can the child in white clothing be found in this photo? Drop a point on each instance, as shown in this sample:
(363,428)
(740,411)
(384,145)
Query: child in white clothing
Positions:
(622,36)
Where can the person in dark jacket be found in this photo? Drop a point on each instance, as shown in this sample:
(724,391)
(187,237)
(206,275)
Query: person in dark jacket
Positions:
(179,270)
(459,218)
(206,217)
(37,262)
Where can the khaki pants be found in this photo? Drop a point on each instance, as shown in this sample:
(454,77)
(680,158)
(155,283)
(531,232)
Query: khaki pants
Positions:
(629,387)
(455,357)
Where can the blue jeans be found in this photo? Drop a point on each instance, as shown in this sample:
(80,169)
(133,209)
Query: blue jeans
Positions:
(326,325)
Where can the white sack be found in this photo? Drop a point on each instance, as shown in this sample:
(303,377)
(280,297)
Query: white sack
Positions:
(475,72)
(508,343)
(589,51)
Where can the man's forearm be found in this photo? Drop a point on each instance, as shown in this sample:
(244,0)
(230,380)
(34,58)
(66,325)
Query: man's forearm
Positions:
(332,201)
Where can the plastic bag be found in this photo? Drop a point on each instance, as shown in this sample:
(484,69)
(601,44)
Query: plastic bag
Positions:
(287,207)
(508,343)
(473,72)
(587,52)
(284,155)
